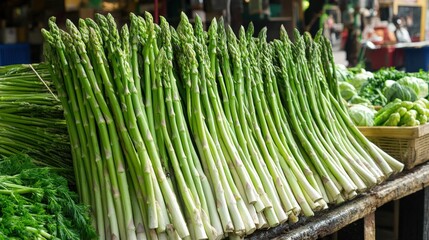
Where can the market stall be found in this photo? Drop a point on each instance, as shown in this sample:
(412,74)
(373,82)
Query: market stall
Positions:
(194,132)
(413,12)
(391,47)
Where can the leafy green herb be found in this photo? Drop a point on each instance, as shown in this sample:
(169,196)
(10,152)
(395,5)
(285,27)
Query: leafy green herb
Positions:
(36,203)
(389,74)
(372,90)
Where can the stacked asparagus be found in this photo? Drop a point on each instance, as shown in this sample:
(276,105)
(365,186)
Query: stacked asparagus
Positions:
(31,117)
(182,133)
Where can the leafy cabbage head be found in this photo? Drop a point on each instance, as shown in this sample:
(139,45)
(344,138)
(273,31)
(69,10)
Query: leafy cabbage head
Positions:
(399,91)
(342,72)
(362,115)
(356,99)
(418,85)
(347,90)
(360,79)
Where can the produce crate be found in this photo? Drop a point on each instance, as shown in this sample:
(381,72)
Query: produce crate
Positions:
(410,145)
(14,54)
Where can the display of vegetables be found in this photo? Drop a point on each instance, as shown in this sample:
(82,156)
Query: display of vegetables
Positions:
(31,117)
(386,86)
(381,87)
(183,133)
(35,203)
(407,88)
(403,113)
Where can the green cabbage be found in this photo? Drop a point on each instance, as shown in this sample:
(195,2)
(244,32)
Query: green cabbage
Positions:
(399,91)
(360,79)
(342,72)
(362,115)
(389,83)
(419,86)
(347,90)
(356,99)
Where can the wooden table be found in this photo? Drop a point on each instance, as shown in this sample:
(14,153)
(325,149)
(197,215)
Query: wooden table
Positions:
(330,221)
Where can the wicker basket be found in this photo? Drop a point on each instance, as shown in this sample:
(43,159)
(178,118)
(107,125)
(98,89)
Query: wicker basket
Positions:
(410,145)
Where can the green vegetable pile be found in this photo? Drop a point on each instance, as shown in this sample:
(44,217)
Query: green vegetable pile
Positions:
(31,117)
(381,87)
(182,133)
(403,113)
(35,203)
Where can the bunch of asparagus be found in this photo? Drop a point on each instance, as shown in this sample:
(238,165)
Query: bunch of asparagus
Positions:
(31,117)
(183,133)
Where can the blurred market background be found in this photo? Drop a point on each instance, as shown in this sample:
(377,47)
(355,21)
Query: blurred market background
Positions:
(371,33)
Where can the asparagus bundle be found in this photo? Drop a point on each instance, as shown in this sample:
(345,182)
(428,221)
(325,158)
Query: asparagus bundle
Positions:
(183,133)
(31,117)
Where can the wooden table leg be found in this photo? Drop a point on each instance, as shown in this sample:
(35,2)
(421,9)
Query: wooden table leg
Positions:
(396,210)
(426,213)
(369,226)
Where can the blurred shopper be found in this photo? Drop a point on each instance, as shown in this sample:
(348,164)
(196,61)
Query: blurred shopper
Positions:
(312,16)
(353,13)
(401,32)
